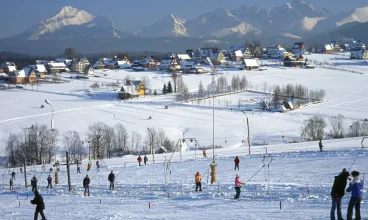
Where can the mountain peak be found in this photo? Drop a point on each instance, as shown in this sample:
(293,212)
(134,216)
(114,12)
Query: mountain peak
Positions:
(66,10)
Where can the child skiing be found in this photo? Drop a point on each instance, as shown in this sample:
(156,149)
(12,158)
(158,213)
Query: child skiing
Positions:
(49,182)
(86,182)
(238,184)
(355,187)
(198,179)
(236,161)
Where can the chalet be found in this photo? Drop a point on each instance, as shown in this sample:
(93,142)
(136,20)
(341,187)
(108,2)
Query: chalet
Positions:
(237,55)
(122,64)
(212,53)
(358,50)
(274,51)
(189,66)
(8,67)
(98,65)
(139,87)
(170,63)
(126,59)
(79,65)
(335,46)
(67,62)
(108,63)
(174,65)
(128,91)
(184,57)
(327,49)
(250,64)
(23,76)
(294,61)
(54,67)
(149,62)
(299,48)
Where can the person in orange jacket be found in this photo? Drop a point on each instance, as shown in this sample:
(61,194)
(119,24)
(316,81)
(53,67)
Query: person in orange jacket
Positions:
(139,160)
(198,181)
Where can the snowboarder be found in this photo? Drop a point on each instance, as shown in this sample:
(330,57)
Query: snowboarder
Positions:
(145,159)
(49,182)
(236,161)
(78,168)
(86,182)
(356,189)
(139,160)
(40,205)
(238,184)
(111,178)
(204,153)
(320,145)
(198,179)
(34,183)
(337,192)
(11,183)
(13,175)
(98,164)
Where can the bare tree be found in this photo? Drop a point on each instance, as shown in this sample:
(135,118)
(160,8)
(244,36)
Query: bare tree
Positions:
(146,82)
(109,137)
(314,128)
(96,136)
(200,89)
(121,138)
(95,86)
(175,80)
(337,124)
(72,144)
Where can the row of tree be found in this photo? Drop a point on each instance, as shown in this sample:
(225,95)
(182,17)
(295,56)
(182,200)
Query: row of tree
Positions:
(38,144)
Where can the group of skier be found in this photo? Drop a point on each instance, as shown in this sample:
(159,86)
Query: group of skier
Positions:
(338,191)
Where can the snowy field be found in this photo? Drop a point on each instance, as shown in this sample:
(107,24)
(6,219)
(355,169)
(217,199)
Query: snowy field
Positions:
(77,106)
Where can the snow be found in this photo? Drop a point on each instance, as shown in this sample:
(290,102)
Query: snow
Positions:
(293,165)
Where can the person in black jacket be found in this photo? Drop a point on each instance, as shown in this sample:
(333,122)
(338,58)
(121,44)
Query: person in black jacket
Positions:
(86,182)
(337,192)
(49,182)
(111,179)
(40,205)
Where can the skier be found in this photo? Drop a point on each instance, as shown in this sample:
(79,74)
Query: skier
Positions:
(198,180)
(86,182)
(11,183)
(320,145)
(139,160)
(204,153)
(238,184)
(236,161)
(78,168)
(356,189)
(38,200)
(337,192)
(98,164)
(111,178)
(34,183)
(13,175)
(49,182)
(145,159)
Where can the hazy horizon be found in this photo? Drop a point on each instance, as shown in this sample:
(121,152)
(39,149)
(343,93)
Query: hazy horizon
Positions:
(15,20)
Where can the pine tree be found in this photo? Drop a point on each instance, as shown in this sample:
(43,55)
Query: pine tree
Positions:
(169,88)
(164,90)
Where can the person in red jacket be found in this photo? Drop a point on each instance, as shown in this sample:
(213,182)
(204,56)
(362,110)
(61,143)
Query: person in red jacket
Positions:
(139,160)
(236,161)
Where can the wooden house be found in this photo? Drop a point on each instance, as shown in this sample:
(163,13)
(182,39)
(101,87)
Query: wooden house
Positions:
(8,67)
(128,91)
(79,65)
(54,67)
(149,62)
(139,87)
(298,48)
(294,61)
(23,76)
(250,64)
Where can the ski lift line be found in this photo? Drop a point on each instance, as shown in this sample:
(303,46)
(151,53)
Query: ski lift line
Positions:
(358,153)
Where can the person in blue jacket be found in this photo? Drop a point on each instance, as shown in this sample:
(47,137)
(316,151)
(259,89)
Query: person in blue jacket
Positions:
(355,187)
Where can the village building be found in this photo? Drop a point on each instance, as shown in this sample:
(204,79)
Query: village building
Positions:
(184,57)
(39,69)
(274,51)
(250,64)
(8,67)
(79,65)
(131,89)
(294,61)
(327,49)
(299,48)
(122,64)
(53,68)
(149,62)
(358,50)
(23,76)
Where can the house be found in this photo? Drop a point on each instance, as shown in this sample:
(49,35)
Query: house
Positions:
(358,50)
(327,49)
(8,67)
(190,67)
(67,62)
(237,55)
(174,65)
(108,63)
(250,64)
(98,65)
(139,87)
(122,64)
(184,57)
(128,91)
(299,48)
(23,76)
(335,46)
(54,67)
(274,51)
(190,53)
(149,62)
(294,61)
(80,65)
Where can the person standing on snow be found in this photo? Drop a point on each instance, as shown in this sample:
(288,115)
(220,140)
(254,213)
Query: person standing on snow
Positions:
(78,167)
(356,189)
(337,192)
(86,182)
(98,164)
(145,159)
(49,182)
(38,200)
(111,178)
(238,184)
(320,145)
(13,175)
(236,161)
(34,183)
(11,183)
(198,181)
(139,160)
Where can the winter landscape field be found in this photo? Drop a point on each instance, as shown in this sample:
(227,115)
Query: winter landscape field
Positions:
(286,177)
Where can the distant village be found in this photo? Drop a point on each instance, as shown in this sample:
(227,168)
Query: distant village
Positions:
(190,62)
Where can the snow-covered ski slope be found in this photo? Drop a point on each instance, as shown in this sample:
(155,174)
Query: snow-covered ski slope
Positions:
(293,165)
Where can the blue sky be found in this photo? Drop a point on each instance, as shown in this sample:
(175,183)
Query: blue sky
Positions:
(18,15)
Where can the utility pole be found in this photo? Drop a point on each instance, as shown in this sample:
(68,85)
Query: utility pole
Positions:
(68,170)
